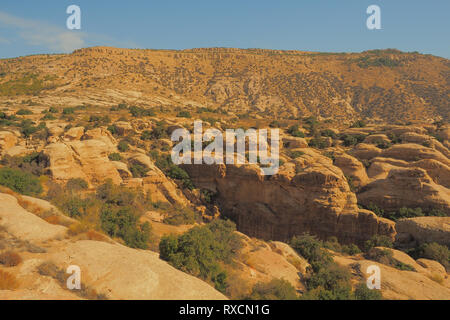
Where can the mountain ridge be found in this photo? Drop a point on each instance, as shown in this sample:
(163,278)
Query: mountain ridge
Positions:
(388,85)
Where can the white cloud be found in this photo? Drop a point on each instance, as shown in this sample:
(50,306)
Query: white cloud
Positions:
(38,33)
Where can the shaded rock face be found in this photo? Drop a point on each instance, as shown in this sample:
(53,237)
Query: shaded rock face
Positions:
(352,168)
(415,231)
(311,197)
(406,187)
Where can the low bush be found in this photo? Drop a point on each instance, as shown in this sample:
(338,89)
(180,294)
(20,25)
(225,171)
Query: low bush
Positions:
(10,259)
(378,241)
(312,250)
(138,170)
(296,154)
(276,289)
(364,293)
(200,250)
(184,114)
(180,215)
(295,131)
(433,251)
(115,157)
(76,184)
(123,223)
(319,143)
(351,140)
(123,146)
(138,112)
(20,181)
(24,112)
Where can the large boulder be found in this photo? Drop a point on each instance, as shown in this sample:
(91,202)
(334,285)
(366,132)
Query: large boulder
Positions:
(415,231)
(74,134)
(155,183)
(364,151)
(86,159)
(120,273)
(414,152)
(103,135)
(25,225)
(406,187)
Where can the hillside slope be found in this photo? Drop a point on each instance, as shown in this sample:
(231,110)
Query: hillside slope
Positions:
(386,84)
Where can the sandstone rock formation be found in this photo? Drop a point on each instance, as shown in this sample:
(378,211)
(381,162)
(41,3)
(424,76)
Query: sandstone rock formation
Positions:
(309,195)
(406,187)
(352,168)
(86,159)
(415,231)
(111,269)
(401,285)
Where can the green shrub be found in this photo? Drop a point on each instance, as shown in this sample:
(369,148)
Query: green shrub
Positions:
(74,206)
(180,215)
(184,114)
(350,140)
(123,146)
(115,157)
(33,163)
(67,111)
(112,129)
(329,283)
(434,251)
(24,112)
(123,223)
(385,256)
(76,184)
(312,250)
(295,154)
(358,124)
(138,170)
(20,181)
(328,133)
(48,116)
(199,250)
(117,195)
(364,293)
(342,292)
(351,249)
(378,241)
(295,131)
(28,128)
(159,132)
(141,112)
(329,278)
(276,289)
(319,143)
(164,162)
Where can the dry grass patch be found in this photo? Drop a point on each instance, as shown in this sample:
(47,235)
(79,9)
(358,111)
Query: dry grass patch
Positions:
(8,281)
(97,236)
(52,270)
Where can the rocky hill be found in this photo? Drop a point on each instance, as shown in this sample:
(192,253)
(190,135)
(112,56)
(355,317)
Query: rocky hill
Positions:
(380,84)
(86,176)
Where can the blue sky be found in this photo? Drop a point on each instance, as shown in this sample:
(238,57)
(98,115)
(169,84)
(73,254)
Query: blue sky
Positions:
(30,27)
